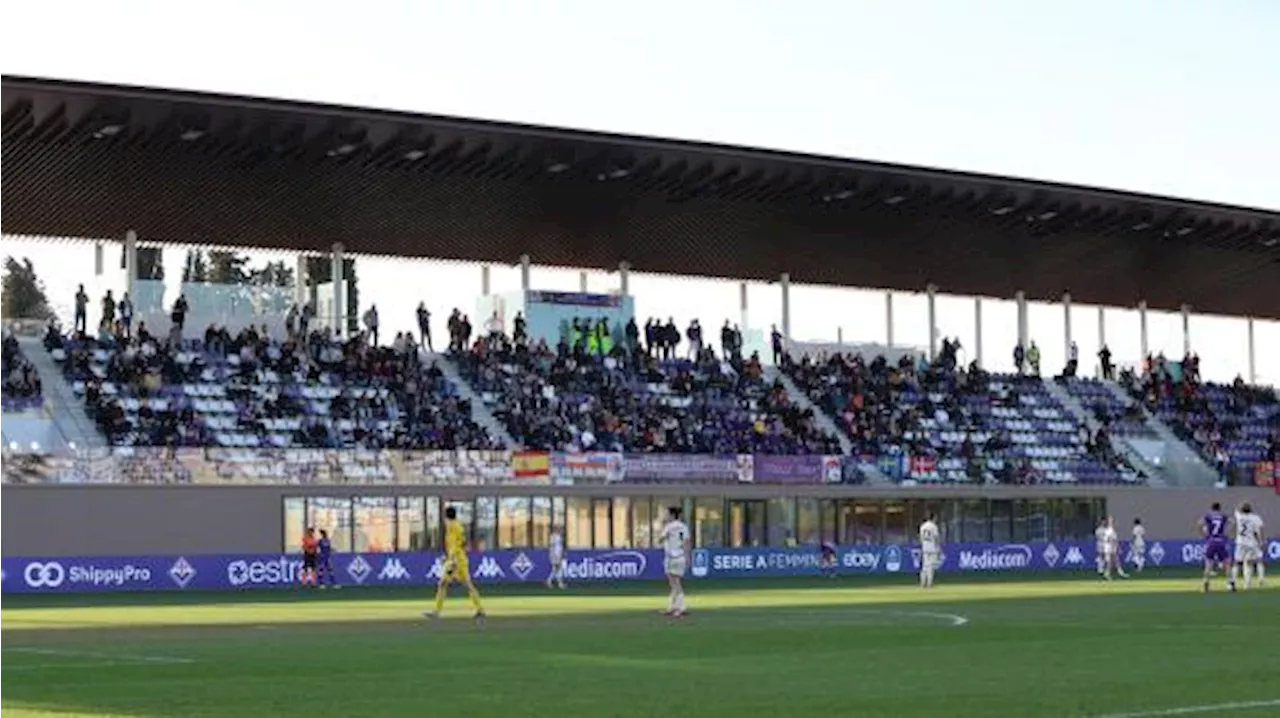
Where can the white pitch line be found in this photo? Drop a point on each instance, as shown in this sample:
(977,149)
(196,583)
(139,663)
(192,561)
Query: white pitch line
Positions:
(1193,710)
(117,657)
(54,666)
(952,619)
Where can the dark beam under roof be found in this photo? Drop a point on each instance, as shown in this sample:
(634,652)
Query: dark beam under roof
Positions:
(90,160)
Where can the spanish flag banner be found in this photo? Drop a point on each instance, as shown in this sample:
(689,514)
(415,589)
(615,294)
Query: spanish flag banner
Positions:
(531,464)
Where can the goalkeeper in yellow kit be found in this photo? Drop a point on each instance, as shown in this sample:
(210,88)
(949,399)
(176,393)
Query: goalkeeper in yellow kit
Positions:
(456,566)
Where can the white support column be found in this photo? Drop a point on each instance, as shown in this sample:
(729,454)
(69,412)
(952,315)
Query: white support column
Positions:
(888,318)
(1102,327)
(840,336)
(785,283)
(339,291)
(931,314)
(1020,299)
(1066,324)
(486,280)
(300,280)
(131,264)
(582,282)
(525,267)
(624,278)
(1186,329)
(977,330)
(1253,367)
(742,305)
(1143,347)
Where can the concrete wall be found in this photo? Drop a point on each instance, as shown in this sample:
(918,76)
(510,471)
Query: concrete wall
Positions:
(122,520)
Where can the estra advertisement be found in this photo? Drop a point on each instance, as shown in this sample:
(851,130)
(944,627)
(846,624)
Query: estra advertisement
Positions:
(86,574)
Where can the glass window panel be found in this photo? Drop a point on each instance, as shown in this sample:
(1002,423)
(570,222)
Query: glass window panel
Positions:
(602,529)
(466,514)
(896,528)
(1033,522)
(577,529)
(974,519)
(641,522)
(411,525)
(621,515)
(333,514)
(661,504)
(541,522)
(559,519)
(949,519)
(860,522)
(375,524)
(295,519)
(708,522)
(513,522)
(782,522)
(433,524)
(808,522)
(1001,520)
(827,529)
(484,535)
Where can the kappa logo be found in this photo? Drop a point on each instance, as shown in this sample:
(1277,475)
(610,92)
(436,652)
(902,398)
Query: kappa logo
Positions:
(1074,557)
(181,572)
(522,566)
(489,569)
(393,570)
(1051,555)
(359,569)
(44,575)
(1156,554)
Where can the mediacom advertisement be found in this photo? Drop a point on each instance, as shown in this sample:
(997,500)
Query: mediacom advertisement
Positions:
(240,572)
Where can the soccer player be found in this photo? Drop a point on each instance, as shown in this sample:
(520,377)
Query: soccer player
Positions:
(1100,548)
(1111,550)
(827,559)
(1214,528)
(456,566)
(555,555)
(930,550)
(324,549)
(1138,547)
(1249,543)
(675,545)
(309,548)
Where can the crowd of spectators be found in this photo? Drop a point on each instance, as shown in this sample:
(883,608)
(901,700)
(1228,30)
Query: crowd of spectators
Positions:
(591,393)
(248,390)
(21,381)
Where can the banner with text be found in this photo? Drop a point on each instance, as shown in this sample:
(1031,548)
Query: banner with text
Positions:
(590,468)
(660,468)
(796,469)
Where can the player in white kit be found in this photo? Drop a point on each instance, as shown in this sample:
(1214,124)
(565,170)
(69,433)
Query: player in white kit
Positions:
(675,549)
(1249,545)
(1100,548)
(1111,550)
(930,550)
(1138,547)
(555,555)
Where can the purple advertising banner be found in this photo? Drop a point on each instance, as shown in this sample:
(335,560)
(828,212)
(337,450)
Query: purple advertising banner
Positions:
(568,469)
(797,469)
(578,299)
(688,467)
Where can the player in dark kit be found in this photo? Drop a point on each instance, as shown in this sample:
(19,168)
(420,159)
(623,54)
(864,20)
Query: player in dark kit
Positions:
(827,559)
(324,551)
(1216,550)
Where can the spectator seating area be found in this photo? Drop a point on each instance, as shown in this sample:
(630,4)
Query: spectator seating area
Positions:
(251,392)
(1234,426)
(969,426)
(1122,418)
(22,389)
(629,401)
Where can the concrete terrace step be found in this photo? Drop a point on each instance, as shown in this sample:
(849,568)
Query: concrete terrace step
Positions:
(801,399)
(65,408)
(479,409)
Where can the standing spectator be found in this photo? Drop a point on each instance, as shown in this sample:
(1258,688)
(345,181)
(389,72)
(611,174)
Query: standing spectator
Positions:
(1033,358)
(455,331)
(371,323)
(126,314)
(291,321)
(650,336)
(466,329)
(737,342)
(82,304)
(775,341)
(108,311)
(1073,360)
(671,334)
(633,335)
(1020,359)
(1104,359)
(695,339)
(726,340)
(424,325)
(178,316)
(520,329)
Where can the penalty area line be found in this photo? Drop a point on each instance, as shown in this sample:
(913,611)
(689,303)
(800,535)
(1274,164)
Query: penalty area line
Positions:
(100,657)
(951,619)
(1194,710)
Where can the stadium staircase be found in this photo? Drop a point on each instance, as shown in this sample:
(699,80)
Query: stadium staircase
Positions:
(480,413)
(800,399)
(1154,475)
(1183,466)
(65,408)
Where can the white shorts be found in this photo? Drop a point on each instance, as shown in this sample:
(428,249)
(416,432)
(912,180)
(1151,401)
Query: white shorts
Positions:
(557,564)
(1137,548)
(1248,551)
(1108,551)
(675,565)
(930,558)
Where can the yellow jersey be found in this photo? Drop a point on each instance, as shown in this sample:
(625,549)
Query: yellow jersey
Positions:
(455,539)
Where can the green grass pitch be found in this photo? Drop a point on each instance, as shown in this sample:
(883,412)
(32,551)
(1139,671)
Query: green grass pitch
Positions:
(1024,647)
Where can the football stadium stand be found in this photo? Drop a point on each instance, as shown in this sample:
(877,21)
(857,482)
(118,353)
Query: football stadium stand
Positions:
(21,381)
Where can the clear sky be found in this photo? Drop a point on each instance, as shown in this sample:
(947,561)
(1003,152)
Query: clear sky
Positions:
(1172,97)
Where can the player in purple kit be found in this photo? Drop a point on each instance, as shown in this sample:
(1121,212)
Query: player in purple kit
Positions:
(1214,527)
(324,548)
